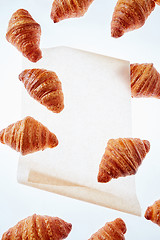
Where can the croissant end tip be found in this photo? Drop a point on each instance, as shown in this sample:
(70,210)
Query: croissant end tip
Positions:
(148,213)
(116,33)
(103,178)
(53,141)
(55,20)
(53,16)
(69,227)
(35,55)
(121,225)
(21,75)
(147,145)
(1,136)
(157,2)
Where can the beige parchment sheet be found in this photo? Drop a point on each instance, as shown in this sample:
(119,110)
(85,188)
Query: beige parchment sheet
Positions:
(97,107)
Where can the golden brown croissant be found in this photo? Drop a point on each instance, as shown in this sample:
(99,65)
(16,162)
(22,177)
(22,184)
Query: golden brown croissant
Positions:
(38,227)
(145,80)
(28,136)
(114,230)
(45,87)
(153,212)
(122,157)
(129,15)
(63,9)
(24,33)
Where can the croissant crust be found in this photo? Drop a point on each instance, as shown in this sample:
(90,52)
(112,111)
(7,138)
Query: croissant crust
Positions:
(24,33)
(28,136)
(129,15)
(45,87)
(157,2)
(63,9)
(114,230)
(153,213)
(122,157)
(145,80)
(38,227)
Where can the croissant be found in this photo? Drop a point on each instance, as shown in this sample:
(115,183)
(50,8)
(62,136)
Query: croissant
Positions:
(24,33)
(145,80)
(114,230)
(153,213)
(38,227)
(63,9)
(28,136)
(129,15)
(122,157)
(45,87)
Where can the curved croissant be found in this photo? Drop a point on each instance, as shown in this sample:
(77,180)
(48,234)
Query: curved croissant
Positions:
(114,230)
(145,80)
(28,136)
(122,157)
(45,87)
(63,9)
(129,15)
(153,213)
(38,227)
(24,33)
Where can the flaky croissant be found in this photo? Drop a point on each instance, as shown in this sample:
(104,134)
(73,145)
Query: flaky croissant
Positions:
(114,230)
(38,227)
(45,87)
(153,213)
(24,33)
(28,136)
(145,80)
(122,157)
(129,15)
(63,9)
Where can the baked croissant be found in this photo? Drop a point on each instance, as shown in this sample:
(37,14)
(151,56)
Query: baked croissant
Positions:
(122,157)
(28,136)
(63,9)
(45,87)
(145,80)
(114,230)
(38,227)
(24,33)
(153,213)
(129,15)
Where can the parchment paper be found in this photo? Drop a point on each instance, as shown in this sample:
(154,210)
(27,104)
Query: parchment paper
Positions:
(97,107)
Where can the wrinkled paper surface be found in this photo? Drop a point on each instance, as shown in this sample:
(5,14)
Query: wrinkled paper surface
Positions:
(97,101)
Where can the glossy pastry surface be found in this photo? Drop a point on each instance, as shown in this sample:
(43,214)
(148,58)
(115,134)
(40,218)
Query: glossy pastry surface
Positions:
(63,9)
(38,227)
(45,87)
(157,2)
(28,136)
(122,157)
(129,15)
(145,80)
(24,33)
(153,213)
(114,230)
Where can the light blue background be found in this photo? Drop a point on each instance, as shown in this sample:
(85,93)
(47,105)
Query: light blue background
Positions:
(92,32)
